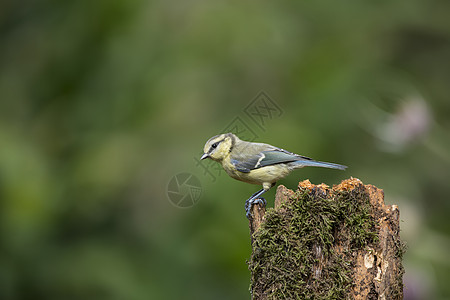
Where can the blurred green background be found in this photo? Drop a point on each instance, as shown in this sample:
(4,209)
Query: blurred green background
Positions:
(103,102)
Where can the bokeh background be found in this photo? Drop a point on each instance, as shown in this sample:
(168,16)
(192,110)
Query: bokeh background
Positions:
(103,102)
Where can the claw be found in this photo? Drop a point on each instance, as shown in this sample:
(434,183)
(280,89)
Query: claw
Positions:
(255,198)
(260,200)
(249,205)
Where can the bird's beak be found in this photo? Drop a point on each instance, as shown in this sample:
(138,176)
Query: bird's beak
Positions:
(205,155)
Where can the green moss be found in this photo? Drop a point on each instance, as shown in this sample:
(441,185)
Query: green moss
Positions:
(302,231)
(397,290)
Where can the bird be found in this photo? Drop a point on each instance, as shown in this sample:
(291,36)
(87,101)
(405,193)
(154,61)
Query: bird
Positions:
(256,163)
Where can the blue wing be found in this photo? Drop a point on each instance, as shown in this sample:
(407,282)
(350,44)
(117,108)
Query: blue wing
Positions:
(266,158)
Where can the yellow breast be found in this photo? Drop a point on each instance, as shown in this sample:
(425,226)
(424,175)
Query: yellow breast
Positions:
(268,174)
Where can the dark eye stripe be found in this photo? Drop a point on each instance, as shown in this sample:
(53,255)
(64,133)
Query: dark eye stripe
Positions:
(214,146)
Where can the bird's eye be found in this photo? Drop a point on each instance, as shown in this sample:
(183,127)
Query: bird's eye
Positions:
(214,146)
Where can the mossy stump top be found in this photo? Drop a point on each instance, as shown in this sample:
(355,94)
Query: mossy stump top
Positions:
(327,243)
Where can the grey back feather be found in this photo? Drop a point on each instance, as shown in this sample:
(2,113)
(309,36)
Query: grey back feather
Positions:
(248,156)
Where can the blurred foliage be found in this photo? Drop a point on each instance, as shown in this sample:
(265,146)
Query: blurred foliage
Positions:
(102,102)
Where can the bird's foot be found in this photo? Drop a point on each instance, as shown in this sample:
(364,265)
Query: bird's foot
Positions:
(249,205)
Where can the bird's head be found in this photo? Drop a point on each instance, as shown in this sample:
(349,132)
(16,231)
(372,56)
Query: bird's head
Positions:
(219,146)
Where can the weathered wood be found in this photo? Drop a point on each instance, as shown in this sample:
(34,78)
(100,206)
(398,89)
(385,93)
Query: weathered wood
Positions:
(320,242)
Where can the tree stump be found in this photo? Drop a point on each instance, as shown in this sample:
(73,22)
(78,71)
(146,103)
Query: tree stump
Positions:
(327,243)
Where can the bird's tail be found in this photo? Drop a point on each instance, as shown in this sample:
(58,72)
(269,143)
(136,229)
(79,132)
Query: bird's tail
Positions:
(314,163)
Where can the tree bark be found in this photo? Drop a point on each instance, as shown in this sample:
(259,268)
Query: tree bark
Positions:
(321,243)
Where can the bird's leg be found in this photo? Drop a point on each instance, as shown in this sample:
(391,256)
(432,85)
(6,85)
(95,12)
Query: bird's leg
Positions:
(247,202)
(255,194)
(253,200)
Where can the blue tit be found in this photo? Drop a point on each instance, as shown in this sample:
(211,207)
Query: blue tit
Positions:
(256,163)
